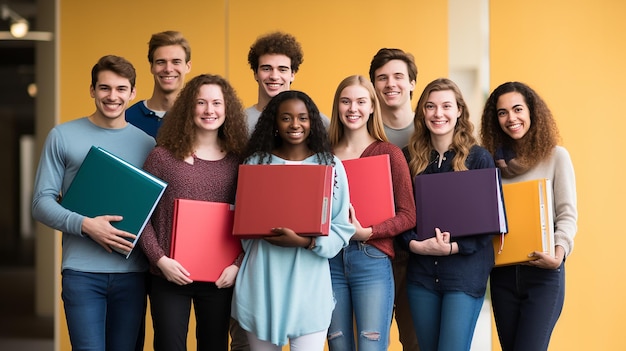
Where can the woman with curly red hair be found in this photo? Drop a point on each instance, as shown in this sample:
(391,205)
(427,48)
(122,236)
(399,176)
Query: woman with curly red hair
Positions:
(199,149)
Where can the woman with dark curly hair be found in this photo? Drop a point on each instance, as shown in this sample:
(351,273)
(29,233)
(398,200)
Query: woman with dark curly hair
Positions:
(198,153)
(446,276)
(283,291)
(520,131)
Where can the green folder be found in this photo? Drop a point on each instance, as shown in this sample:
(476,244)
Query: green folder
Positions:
(107,185)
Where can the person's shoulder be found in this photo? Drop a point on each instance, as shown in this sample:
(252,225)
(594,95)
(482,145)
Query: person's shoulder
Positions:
(253,159)
(252,111)
(137,110)
(389,147)
(72,125)
(136,106)
(325,119)
(479,151)
(139,135)
(384,147)
(160,150)
(561,151)
(161,154)
(67,132)
(561,156)
(480,157)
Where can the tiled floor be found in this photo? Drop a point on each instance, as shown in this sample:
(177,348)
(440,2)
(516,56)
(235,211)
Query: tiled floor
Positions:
(20,328)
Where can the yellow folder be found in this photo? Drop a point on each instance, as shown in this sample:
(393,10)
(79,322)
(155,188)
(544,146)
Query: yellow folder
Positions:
(529,211)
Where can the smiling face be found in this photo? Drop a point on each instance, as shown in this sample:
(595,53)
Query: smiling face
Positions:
(112,95)
(169,68)
(292,122)
(274,74)
(513,115)
(355,107)
(210,111)
(441,112)
(392,84)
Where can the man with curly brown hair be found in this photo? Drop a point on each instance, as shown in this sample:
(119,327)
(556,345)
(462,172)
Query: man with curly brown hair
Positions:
(275,59)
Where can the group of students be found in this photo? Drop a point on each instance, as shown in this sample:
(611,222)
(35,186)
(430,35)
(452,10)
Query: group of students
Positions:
(339,289)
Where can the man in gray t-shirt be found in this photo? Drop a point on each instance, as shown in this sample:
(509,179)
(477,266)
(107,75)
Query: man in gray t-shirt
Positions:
(394,73)
(275,59)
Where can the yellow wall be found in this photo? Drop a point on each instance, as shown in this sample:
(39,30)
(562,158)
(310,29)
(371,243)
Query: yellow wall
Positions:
(573,53)
(339,39)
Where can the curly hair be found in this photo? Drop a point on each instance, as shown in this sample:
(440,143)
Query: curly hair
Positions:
(542,135)
(276,43)
(178,131)
(385,55)
(264,140)
(374,123)
(420,146)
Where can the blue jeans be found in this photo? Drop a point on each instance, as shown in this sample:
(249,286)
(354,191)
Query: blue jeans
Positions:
(443,320)
(527,302)
(104,311)
(364,288)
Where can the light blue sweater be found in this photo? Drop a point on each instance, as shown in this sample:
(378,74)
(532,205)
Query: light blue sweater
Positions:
(64,150)
(286,292)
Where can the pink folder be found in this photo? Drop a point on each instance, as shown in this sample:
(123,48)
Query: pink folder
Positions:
(371,189)
(202,238)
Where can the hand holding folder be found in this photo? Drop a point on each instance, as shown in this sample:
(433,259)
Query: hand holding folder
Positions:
(297,197)
(202,240)
(371,189)
(462,203)
(108,185)
(529,208)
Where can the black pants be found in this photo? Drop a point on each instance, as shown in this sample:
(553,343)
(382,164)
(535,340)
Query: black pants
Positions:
(170,305)
(527,302)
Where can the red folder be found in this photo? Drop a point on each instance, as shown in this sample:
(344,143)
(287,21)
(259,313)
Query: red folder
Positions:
(371,189)
(289,196)
(462,203)
(202,240)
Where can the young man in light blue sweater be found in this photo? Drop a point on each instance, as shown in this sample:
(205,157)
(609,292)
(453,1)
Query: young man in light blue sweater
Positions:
(103,292)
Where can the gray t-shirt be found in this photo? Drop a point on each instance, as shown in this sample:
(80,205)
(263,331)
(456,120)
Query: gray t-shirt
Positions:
(399,137)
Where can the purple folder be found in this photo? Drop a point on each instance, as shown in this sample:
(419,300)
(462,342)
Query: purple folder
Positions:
(462,203)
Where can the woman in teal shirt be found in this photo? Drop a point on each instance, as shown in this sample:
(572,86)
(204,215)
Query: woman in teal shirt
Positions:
(283,290)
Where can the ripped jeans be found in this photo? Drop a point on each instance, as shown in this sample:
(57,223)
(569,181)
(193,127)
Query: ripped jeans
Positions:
(363,286)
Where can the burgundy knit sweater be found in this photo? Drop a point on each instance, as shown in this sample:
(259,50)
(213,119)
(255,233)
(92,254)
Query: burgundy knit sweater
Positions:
(214,181)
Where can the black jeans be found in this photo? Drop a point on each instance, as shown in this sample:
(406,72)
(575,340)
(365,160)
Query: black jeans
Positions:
(527,302)
(170,305)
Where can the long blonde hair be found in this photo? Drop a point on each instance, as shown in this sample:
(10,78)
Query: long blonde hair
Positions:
(420,146)
(374,123)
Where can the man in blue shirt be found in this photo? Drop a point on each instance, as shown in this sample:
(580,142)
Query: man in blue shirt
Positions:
(169,55)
